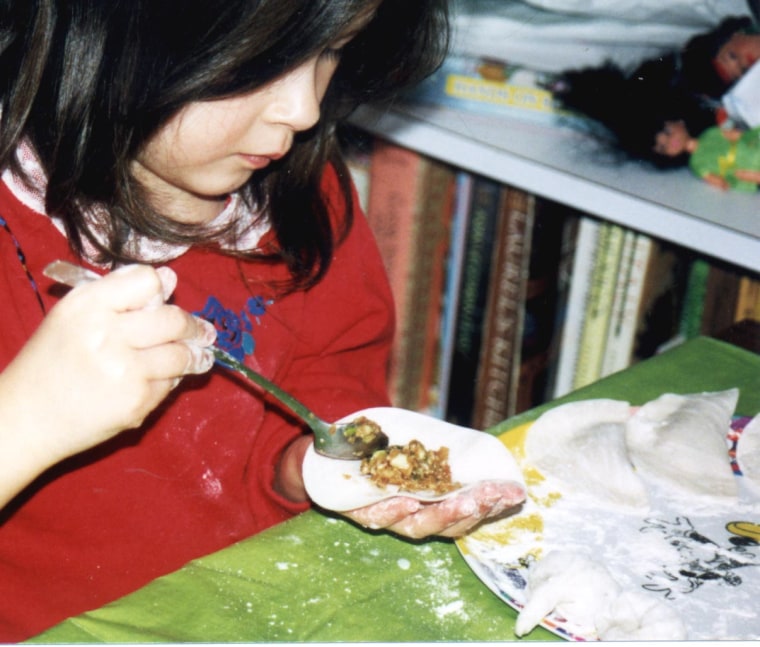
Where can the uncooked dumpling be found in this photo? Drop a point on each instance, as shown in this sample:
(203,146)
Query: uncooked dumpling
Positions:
(680,442)
(748,453)
(582,444)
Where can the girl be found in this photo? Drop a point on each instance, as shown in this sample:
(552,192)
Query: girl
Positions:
(190,147)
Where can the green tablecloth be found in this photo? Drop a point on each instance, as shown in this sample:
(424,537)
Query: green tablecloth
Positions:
(318,578)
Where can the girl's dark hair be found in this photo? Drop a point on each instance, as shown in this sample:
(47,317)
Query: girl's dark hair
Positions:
(88,82)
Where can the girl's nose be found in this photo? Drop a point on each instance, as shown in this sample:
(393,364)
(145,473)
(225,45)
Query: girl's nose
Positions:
(296,97)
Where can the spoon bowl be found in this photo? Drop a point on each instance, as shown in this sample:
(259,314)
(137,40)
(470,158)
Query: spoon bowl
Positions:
(351,440)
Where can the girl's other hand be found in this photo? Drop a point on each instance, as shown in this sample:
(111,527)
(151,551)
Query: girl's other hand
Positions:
(451,517)
(106,355)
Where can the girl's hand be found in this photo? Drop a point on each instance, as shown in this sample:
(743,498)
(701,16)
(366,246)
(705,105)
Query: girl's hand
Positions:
(451,517)
(105,356)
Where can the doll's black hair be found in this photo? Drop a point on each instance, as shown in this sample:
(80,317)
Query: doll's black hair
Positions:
(88,82)
(634,107)
(698,72)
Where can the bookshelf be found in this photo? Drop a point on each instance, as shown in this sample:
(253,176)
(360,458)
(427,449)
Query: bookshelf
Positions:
(566,166)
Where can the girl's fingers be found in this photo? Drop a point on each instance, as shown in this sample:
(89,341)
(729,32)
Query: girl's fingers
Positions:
(172,361)
(165,324)
(133,287)
(451,517)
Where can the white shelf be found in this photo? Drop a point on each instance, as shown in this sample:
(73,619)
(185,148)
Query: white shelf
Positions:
(567,166)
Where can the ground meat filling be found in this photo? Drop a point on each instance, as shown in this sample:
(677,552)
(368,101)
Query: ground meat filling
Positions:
(411,467)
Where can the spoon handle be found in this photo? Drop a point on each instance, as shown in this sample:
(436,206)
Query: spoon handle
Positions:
(318,426)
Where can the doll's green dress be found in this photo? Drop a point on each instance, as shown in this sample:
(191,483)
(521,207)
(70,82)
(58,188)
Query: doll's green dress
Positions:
(719,156)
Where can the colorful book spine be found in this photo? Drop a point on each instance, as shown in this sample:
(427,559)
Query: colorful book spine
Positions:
(748,299)
(484,209)
(542,301)
(694,299)
(454,265)
(598,305)
(580,285)
(416,382)
(620,341)
(400,181)
(499,364)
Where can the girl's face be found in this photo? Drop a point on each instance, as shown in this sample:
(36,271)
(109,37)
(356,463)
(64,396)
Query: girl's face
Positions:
(672,140)
(212,148)
(737,55)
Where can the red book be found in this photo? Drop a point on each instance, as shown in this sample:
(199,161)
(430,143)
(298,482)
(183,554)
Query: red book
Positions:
(409,210)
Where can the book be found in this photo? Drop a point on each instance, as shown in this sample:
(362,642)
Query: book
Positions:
(493,87)
(584,258)
(484,209)
(500,351)
(721,296)
(569,237)
(748,299)
(408,207)
(618,298)
(659,317)
(596,316)
(542,300)
(425,307)
(621,335)
(690,324)
(450,302)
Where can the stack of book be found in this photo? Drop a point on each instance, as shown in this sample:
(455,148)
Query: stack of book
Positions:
(505,300)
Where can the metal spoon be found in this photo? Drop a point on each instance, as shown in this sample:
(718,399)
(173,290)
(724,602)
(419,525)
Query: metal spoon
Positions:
(351,440)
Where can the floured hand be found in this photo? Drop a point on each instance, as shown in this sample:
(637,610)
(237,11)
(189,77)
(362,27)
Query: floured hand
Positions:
(451,517)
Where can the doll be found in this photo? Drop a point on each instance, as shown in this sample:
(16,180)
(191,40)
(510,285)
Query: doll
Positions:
(727,158)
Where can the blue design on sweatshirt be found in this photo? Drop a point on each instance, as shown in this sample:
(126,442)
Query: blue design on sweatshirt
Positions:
(235,330)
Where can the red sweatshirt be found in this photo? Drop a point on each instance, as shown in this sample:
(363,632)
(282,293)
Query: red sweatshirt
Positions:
(198,475)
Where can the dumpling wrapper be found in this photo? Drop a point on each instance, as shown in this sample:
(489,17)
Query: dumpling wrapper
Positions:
(582,445)
(680,442)
(474,456)
(748,453)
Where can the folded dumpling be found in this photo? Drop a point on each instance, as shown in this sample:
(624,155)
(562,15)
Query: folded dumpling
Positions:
(748,453)
(680,442)
(582,445)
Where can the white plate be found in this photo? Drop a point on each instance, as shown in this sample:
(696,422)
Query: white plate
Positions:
(474,456)
(685,557)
